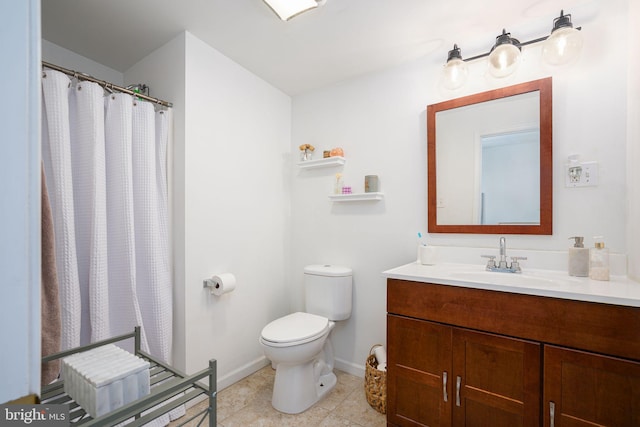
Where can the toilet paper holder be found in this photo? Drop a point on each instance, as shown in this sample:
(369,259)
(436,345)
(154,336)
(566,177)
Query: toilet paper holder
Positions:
(220,284)
(210,283)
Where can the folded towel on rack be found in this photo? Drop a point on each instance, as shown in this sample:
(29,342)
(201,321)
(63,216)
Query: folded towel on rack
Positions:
(50,303)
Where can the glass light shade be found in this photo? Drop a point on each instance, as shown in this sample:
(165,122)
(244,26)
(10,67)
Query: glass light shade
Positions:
(504,60)
(287,9)
(562,47)
(454,74)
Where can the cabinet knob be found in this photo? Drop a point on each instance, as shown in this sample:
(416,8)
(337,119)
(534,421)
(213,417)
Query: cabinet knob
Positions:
(552,414)
(458,383)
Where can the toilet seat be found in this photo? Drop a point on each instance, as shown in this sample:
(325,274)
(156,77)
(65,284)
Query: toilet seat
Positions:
(294,329)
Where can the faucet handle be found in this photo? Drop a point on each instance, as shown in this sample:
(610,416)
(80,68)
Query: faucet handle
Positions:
(492,260)
(515,265)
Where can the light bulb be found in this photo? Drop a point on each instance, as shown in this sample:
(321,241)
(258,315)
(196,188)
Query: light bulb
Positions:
(454,74)
(562,47)
(504,60)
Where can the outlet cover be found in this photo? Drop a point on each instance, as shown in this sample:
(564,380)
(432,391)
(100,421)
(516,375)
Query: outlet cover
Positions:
(584,174)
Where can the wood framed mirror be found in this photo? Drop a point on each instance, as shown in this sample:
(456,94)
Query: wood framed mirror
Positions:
(489,161)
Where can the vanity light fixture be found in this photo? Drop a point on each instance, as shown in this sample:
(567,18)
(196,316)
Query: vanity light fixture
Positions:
(455,70)
(505,55)
(561,47)
(287,9)
(564,44)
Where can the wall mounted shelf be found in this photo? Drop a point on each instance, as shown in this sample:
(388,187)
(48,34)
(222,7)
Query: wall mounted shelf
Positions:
(322,163)
(356,197)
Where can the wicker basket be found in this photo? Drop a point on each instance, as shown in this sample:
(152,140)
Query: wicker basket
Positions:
(375,384)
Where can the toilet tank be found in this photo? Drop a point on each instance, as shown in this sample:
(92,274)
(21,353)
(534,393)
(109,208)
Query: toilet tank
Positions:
(328,291)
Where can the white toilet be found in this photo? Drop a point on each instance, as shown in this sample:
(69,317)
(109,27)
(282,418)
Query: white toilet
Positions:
(298,344)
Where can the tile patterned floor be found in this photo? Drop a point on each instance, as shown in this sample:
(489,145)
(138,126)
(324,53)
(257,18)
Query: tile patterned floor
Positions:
(248,403)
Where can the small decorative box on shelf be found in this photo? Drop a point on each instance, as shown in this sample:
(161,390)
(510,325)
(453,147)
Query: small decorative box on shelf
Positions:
(356,197)
(322,163)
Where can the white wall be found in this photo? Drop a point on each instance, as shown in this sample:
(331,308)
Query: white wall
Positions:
(65,58)
(380,122)
(236,213)
(230,202)
(20,199)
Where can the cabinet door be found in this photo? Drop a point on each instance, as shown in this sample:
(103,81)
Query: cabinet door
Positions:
(586,389)
(419,373)
(496,380)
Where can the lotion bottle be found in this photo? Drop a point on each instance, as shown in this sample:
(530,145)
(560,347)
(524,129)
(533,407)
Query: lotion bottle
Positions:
(578,258)
(338,184)
(599,261)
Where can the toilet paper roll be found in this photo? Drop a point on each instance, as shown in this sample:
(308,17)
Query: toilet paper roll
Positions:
(381,355)
(223,283)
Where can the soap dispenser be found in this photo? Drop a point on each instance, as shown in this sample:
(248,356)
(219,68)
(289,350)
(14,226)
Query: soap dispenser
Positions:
(599,261)
(578,258)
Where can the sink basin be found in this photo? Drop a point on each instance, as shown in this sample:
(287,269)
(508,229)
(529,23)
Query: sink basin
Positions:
(513,279)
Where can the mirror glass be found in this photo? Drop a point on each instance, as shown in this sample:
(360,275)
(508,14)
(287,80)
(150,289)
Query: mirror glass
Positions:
(489,161)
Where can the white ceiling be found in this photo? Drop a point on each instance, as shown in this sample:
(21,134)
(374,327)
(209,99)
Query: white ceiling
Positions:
(342,39)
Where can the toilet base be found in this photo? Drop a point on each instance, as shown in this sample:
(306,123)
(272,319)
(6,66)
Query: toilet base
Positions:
(325,384)
(298,387)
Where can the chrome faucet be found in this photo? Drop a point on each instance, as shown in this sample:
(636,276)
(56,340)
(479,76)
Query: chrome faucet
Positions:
(503,253)
(503,266)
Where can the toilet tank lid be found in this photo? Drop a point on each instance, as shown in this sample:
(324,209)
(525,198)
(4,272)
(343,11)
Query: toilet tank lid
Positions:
(328,270)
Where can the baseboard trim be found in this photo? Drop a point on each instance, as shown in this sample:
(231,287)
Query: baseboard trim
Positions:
(232,378)
(242,372)
(349,367)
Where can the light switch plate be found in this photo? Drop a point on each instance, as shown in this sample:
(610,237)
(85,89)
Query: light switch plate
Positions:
(581,174)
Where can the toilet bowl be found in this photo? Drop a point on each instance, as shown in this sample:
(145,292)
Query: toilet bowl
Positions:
(299,345)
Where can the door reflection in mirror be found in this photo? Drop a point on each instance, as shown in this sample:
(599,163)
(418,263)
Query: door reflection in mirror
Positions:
(510,178)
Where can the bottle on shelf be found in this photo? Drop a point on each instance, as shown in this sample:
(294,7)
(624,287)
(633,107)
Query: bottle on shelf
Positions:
(339,183)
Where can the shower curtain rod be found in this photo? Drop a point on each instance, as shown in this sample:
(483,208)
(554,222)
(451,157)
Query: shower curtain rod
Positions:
(105,84)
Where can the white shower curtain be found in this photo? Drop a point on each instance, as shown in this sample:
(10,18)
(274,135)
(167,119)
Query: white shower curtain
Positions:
(105,165)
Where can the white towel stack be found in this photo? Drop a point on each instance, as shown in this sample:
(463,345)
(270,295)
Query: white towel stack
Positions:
(105,378)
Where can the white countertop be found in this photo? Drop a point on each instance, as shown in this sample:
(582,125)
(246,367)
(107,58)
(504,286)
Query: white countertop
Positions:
(548,283)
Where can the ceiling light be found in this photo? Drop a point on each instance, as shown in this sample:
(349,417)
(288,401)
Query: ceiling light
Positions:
(287,9)
(564,44)
(505,55)
(455,70)
(561,47)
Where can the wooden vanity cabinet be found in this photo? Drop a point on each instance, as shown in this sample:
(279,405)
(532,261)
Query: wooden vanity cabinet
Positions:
(469,357)
(418,371)
(439,375)
(586,389)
